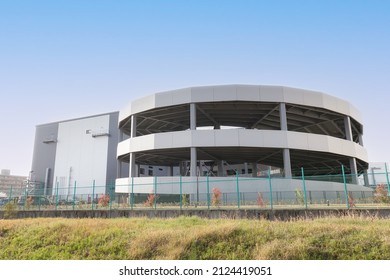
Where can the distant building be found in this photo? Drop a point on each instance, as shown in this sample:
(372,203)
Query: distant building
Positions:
(11,184)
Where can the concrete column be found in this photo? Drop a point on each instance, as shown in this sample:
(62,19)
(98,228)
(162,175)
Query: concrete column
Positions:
(193,160)
(246,168)
(365,176)
(283,116)
(221,169)
(361,139)
(286,152)
(287,163)
(254,169)
(348,128)
(353,166)
(193,116)
(133,133)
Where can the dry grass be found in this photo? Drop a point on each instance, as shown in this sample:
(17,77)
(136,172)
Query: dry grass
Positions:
(194,238)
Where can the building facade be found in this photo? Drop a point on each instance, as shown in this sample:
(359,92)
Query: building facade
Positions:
(11,184)
(235,129)
(78,151)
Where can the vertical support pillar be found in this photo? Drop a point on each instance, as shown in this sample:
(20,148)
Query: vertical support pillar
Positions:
(221,169)
(354,173)
(246,168)
(286,152)
(361,139)
(365,177)
(194,159)
(133,133)
(287,163)
(254,169)
(348,128)
(170,170)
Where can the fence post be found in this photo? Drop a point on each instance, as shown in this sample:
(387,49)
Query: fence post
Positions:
(111,186)
(208,192)
(238,191)
(57,185)
(39,203)
(132,193)
(270,188)
(25,198)
(93,193)
(74,194)
(181,194)
(345,186)
(387,178)
(304,187)
(10,193)
(155,192)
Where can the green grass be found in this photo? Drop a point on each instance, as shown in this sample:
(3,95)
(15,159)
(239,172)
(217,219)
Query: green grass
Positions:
(194,238)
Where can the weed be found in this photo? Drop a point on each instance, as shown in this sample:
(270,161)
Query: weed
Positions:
(381,194)
(260,201)
(299,196)
(351,200)
(185,199)
(104,200)
(29,202)
(151,199)
(216,198)
(10,210)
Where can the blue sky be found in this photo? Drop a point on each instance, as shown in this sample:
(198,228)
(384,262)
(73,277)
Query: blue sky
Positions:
(65,59)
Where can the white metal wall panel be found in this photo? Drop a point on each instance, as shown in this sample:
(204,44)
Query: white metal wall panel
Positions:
(81,157)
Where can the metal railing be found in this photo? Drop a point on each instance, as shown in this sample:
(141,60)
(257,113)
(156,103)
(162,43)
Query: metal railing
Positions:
(302,192)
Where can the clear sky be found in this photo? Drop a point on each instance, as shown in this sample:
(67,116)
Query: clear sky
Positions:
(66,59)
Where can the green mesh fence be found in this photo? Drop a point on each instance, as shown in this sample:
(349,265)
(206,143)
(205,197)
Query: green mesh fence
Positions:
(339,191)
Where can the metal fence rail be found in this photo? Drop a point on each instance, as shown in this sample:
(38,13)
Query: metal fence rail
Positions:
(304,192)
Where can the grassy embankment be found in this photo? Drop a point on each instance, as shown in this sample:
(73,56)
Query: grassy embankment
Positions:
(194,238)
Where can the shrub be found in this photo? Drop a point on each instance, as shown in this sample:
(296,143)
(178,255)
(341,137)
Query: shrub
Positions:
(151,199)
(351,200)
(104,200)
(380,194)
(185,199)
(10,210)
(216,198)
(29,201)
(260,201)
(299,196)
